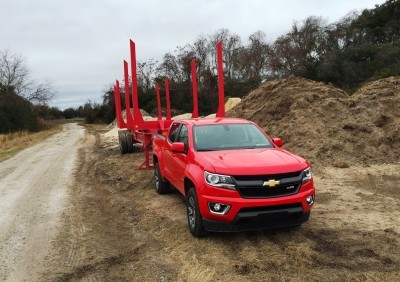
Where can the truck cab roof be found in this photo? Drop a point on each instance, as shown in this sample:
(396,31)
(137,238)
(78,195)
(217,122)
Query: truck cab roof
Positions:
(210,121)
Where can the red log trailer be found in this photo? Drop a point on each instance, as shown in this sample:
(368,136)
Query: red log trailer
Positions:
(135,130)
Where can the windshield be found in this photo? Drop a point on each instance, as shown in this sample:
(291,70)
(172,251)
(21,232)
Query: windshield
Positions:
(229,137)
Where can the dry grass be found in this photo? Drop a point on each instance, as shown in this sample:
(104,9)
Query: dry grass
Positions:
(12,143)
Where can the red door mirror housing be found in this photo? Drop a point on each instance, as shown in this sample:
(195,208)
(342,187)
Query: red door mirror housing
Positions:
(277,141)
(178,147)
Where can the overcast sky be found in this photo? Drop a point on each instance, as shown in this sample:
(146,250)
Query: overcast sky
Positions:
(80,45)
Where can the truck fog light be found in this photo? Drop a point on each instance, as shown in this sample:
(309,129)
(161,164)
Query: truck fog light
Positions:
(310,200)
(218,208)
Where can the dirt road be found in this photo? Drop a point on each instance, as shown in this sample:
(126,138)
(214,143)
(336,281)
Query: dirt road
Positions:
(33,195)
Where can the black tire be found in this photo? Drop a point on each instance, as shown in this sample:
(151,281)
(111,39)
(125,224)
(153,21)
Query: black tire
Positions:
(161,185)
(123,147)
(129,142)
(195,221)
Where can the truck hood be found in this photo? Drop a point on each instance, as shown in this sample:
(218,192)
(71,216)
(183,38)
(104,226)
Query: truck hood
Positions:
(254,161)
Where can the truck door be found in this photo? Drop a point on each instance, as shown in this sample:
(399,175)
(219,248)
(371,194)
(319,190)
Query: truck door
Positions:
(167,153)
(180,158)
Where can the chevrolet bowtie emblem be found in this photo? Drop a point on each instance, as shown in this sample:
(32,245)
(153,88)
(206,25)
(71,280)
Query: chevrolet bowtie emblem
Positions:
(271,183)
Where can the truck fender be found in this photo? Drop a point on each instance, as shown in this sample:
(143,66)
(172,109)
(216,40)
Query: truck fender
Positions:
(193,174)
(157,157)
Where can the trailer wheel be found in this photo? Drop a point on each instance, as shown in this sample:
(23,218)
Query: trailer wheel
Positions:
(195,221)
(123,147)
(129,142)
(161,185)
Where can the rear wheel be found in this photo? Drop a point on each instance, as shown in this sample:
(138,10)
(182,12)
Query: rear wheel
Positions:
(195,221)
(123,146)
(161,185)
(129,142)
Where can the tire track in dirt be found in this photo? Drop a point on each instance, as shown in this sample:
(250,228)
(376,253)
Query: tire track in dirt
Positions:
(75,221)
(88,254)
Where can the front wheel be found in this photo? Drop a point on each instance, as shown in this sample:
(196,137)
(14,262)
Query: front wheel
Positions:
(195,221)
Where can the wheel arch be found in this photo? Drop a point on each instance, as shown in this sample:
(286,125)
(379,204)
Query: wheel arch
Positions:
(155,159)
(188,183)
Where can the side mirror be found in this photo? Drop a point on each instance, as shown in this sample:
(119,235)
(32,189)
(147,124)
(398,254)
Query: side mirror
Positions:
(178,147)
(277,141)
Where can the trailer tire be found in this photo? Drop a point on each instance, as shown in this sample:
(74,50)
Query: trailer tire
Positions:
(195,220)
(123,147)
(161,185)
(129,142)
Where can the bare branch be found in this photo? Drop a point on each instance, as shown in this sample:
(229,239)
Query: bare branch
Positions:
(40,93)
(14,76)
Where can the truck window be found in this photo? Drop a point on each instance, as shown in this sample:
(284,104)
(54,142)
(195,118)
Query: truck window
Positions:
(183,135)
(173,132)
(229,137)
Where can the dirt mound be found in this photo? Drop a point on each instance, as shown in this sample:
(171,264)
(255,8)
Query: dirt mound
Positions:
(325,124)
(174,112)
(384,87)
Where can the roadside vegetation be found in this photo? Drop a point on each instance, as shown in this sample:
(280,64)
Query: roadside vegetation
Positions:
(22,100)
(12,143)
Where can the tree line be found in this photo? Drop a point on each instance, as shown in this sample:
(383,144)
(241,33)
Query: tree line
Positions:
(362,46)
(23,101)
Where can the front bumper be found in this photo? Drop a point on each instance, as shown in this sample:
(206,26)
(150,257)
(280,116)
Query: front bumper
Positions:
(259,220)
(254,213)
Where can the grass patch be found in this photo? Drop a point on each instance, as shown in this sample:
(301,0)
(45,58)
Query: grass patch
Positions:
(8,153)
(12,143)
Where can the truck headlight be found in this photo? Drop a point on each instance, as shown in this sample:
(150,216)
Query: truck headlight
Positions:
(307,175)
(218,180)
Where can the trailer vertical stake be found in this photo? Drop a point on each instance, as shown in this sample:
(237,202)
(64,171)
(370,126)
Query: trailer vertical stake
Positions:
(117,98)
(168,117)
(129,118)
(221,98)
(195,112)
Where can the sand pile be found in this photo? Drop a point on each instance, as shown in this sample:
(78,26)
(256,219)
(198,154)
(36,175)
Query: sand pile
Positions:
(325,124)
(231,103)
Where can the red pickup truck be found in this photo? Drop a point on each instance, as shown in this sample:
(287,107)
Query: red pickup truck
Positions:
(233,175)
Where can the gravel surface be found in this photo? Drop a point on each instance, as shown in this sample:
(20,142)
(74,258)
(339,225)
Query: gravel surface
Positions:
(33,195)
